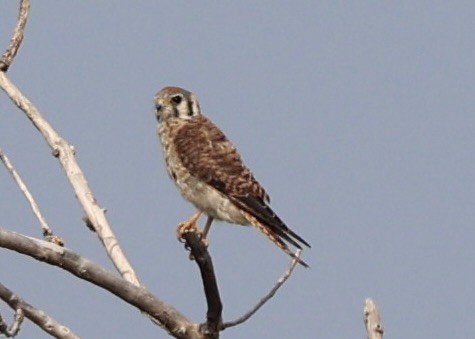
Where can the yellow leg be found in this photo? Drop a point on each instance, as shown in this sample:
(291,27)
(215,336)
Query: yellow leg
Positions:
(188,226)
(207,227)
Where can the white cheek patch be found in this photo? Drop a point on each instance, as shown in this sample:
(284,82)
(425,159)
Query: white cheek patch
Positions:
(182,110)
(195,107)
(188,109)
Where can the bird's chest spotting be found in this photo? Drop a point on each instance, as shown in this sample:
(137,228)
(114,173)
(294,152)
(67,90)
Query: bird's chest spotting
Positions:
(200,194)
(189,187)
(175,168)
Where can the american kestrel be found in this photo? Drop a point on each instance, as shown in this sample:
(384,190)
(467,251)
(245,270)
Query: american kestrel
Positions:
(209,172)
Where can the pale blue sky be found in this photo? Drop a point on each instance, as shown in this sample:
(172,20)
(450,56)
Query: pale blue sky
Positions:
(357,117)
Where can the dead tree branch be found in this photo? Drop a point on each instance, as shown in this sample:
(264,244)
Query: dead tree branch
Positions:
(95,215)
(169,318)
(17,38)
(14,328)
(47,232)
(65,153)
(372,320)
(269,295)
(200,253)
(40,318)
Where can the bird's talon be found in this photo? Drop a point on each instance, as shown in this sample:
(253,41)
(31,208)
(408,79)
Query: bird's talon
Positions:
(185,228)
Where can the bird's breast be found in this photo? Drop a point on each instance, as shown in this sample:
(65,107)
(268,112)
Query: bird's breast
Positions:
(207,199)
(210,201)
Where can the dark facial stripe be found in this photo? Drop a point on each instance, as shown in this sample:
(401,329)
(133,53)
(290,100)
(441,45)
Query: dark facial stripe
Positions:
(175,112)
(190,108)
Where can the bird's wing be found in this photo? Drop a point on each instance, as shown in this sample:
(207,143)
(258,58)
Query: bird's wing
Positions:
(208,155)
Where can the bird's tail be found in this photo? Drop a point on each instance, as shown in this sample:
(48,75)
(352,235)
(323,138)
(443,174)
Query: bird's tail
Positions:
(275,238)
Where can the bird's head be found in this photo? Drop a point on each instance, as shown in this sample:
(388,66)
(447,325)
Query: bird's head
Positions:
(175,102)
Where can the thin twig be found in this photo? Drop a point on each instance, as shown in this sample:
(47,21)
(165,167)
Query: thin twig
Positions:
(271,293)
(66,156)
(372,320)
(47,232)
(200,253)
(40,318)
(15,42)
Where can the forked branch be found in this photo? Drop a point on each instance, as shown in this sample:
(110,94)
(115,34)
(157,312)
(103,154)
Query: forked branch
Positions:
(47,232)
(40,318)
(214,323)
(61,149)
(13,329)
(168,317)
(65,153)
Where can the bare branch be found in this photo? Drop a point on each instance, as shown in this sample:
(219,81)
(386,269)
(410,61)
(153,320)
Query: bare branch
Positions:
(168,317)
(372,320)
(15,42)
(201,255)
(65,153)
(47,232)
(269,295)
(40,318)
(14,328)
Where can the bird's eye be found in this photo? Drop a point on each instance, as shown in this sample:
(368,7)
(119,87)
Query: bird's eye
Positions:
(177,99)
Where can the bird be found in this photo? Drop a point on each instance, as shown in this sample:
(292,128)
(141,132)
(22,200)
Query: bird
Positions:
(209,172)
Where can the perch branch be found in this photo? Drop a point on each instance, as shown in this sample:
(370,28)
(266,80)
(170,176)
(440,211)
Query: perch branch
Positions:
(65,153)
(168,317)
(47,232)
(200,253)
(17,38)
(269,295)
(40,318)
(372,320)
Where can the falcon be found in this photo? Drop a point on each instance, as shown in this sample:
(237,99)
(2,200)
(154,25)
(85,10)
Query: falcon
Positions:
(209,172)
